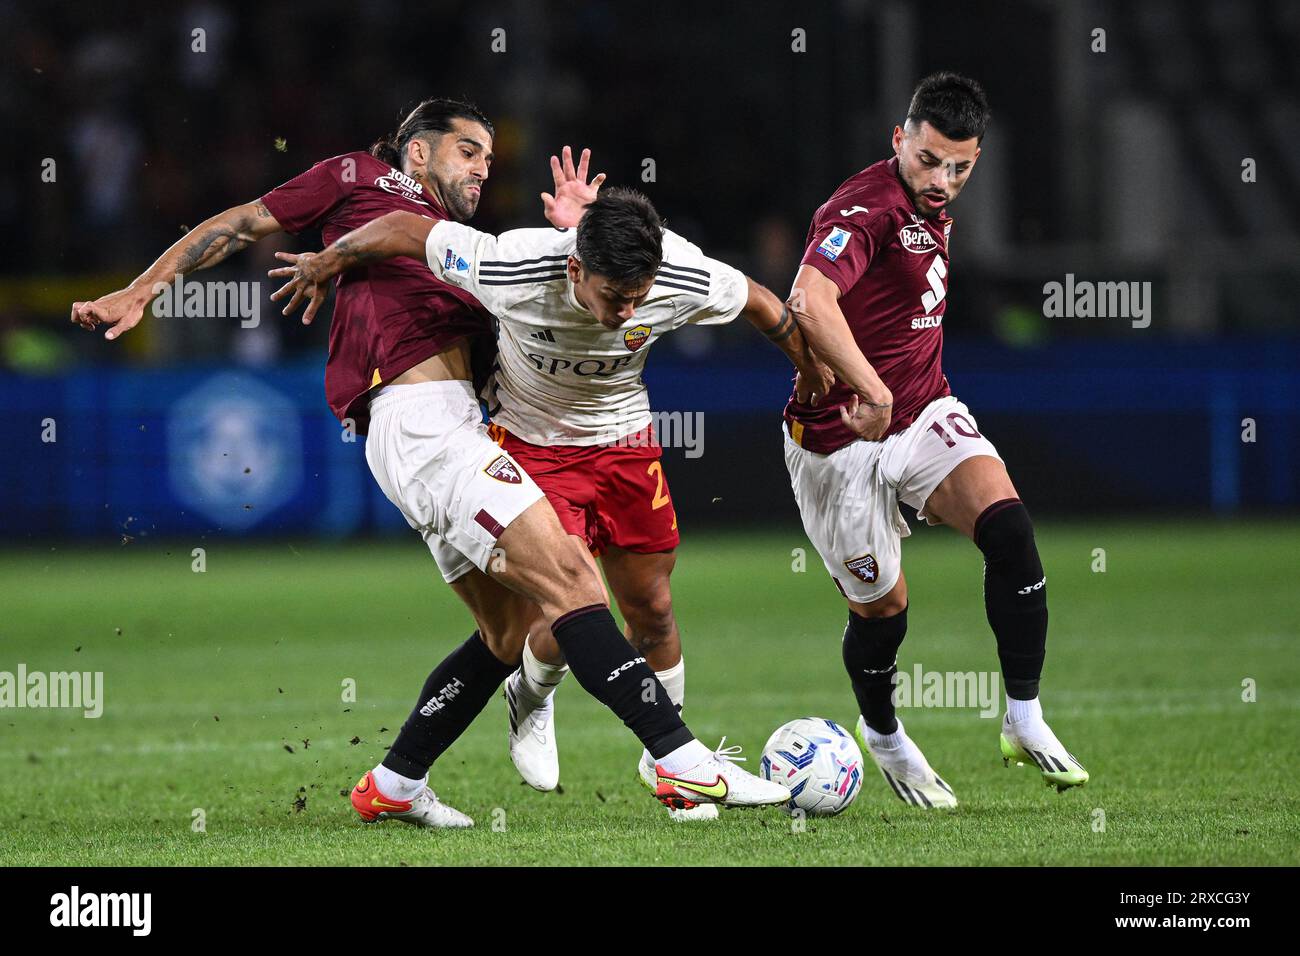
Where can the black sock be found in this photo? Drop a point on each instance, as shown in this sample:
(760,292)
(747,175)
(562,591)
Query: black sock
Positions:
(612,671)
(455,693)
(871,657)
(1015,594)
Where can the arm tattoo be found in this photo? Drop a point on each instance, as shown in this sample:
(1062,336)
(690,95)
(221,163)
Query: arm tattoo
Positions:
(210,248)
(350,254)
(784,328)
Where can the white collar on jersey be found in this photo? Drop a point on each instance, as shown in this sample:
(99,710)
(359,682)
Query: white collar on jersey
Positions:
(573,299)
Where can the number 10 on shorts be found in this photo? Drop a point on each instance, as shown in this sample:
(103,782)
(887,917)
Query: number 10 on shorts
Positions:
(957,422)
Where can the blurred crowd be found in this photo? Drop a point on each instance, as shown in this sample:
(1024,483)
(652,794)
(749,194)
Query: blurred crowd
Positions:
(129,122)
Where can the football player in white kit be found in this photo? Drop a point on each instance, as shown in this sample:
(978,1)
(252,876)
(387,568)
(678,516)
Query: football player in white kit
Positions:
(578,310)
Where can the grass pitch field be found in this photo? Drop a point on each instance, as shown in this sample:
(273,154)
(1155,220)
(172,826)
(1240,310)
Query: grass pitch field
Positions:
(223,694)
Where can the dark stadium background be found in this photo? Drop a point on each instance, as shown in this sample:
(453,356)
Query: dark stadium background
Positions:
(1123,165)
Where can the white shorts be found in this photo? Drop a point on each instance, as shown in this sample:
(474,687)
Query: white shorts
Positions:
(849,498)
(430,452)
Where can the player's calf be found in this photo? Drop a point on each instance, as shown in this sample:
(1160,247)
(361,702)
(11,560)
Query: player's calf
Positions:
(543,563)
(1015,593)
(872,637)
(652,630)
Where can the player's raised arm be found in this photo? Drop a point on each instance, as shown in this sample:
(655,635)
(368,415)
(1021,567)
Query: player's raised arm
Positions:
(205,245)
(765,312)
(815,302)
(573,193)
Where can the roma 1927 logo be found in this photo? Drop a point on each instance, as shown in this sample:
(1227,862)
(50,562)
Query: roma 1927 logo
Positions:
(636,337)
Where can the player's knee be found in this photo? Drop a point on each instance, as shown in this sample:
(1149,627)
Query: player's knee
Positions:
(573,584)
(1005,535)
(1003,531)
(887,606)
(890,603)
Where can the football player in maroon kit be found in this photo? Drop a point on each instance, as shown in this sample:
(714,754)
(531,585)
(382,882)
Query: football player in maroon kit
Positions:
(399,368)
(871,295)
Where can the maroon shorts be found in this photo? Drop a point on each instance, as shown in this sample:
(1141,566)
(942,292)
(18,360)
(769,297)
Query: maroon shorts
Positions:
(608,495)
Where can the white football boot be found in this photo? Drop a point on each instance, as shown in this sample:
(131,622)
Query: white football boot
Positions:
(908,773)
(1032,741)
(532,736)
(423,810)
(716,779)
(704,811)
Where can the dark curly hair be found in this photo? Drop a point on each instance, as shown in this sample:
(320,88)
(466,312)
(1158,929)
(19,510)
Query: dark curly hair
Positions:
(954,105)
(621,236)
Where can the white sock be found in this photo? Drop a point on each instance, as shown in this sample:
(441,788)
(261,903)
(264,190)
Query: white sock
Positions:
(674,681)
(393,784)
(685,757)
(538,678)
(1018,710)
(887,741)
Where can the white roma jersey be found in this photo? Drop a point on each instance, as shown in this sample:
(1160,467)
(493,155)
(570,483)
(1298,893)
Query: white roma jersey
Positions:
(563,378)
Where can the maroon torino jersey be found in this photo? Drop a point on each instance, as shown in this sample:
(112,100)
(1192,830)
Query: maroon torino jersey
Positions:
(388,316)
(891,266)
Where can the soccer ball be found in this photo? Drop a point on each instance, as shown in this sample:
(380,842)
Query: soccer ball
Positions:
(820,763)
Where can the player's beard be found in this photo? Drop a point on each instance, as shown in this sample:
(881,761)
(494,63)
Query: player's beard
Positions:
(916,197)
(460,204)
(928,212)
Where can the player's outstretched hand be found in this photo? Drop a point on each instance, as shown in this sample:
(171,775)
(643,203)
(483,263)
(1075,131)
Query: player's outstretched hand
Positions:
(812,382)
(308,279)
(572,191)
(120,311)
(865,420)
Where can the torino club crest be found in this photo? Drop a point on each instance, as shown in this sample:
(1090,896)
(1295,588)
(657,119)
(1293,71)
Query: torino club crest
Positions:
(864,568)
(503,469)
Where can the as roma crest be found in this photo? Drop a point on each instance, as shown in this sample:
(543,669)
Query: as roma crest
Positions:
(636,337)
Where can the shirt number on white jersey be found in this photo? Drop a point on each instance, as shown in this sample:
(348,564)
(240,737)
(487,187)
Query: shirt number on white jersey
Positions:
(935,274)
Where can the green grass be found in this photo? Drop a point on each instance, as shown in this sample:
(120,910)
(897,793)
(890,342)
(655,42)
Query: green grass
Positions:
(1143,682)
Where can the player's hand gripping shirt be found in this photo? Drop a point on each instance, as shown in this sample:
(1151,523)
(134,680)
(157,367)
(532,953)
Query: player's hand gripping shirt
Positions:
(389,315)
(891,267)
(562,378)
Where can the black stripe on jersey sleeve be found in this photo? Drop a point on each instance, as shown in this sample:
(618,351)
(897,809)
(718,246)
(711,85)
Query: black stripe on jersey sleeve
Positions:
(546,278)
(525,262)
(701,283)
(685,288)
(669,265)
(519,273)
